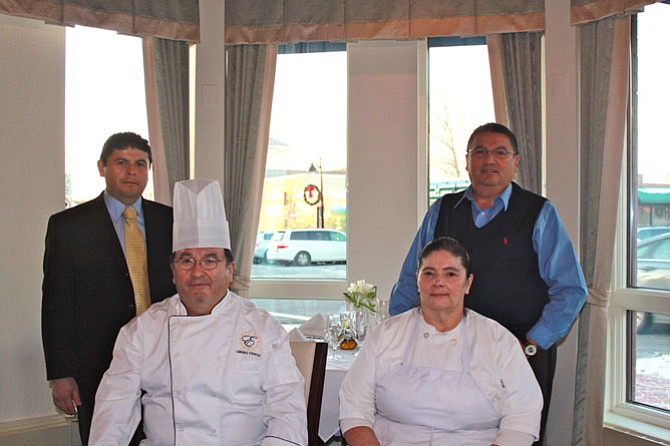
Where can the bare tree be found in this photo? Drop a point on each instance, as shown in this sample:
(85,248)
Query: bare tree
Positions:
(444,157)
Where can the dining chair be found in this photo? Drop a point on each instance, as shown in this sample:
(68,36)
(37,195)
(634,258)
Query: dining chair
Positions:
(310,357)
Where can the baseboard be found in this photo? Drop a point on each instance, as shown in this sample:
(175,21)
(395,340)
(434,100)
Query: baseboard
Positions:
(52,430)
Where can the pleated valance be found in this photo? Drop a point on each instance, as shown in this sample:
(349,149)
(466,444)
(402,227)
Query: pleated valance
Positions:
(272,21)
(169,19)
(583,11)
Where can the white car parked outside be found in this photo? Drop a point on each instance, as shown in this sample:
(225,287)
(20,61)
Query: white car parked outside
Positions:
(302,247)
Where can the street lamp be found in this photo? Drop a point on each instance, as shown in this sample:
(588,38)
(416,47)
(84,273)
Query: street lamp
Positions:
(319,209)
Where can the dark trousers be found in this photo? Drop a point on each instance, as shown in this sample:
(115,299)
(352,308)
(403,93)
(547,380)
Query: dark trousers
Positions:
(84,417)
(544,367)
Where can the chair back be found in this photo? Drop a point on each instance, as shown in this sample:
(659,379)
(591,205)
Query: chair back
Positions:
(310,357)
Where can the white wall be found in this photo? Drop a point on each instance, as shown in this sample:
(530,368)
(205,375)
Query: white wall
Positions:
(381,159)
(562,187)
(209,92)
(32,128)
(32,67)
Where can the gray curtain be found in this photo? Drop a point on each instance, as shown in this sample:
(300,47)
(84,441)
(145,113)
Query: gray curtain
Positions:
(521,59)
(604,52)
(596,40)
(171,61)
(166,87)
(249,87)
(171,19)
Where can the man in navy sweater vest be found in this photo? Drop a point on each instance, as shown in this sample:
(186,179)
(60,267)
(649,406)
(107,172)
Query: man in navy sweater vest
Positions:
(527,276)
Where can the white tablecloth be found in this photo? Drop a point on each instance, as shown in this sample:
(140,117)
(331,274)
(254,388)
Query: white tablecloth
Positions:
(336,369)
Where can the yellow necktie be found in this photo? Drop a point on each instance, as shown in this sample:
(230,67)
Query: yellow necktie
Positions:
(136,259)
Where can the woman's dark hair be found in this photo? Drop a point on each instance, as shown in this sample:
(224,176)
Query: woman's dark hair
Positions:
(450,245)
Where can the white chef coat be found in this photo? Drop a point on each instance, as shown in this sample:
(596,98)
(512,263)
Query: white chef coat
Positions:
(496,363)
(227,378)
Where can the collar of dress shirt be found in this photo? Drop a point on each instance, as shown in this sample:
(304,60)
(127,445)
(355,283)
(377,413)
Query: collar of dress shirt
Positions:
(504,196)
(115,208)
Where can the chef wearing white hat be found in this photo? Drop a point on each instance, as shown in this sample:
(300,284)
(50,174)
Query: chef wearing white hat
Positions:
(208,367)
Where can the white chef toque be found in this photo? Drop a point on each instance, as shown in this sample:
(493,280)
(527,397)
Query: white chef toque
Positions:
(199,216)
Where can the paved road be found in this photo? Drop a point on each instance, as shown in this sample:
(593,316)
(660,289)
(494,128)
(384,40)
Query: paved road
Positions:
(336,272)
(655,343)
(652,367)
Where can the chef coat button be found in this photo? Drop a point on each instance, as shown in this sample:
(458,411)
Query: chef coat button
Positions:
(426,335)
(213,431)
(454,341)
(176,354)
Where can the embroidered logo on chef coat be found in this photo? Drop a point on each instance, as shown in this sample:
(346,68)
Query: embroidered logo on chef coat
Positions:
(249,343)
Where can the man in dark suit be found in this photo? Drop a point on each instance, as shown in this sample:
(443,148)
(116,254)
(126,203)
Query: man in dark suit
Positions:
(87,292)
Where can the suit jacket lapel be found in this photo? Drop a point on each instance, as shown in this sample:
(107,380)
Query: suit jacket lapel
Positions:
(102,225)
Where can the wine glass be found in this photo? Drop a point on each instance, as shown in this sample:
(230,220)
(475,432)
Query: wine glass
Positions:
(333,332)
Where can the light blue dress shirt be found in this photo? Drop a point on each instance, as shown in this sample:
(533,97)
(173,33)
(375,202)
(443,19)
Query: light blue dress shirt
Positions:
(115,209)
(558,266)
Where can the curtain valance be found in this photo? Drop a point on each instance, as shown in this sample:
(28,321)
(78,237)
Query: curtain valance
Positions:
(272,21)
(169,19)
(583,11)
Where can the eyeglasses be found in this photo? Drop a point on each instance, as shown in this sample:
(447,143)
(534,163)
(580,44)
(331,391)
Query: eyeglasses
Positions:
(206,263)
(499,153)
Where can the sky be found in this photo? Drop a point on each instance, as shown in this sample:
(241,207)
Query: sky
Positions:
(95,58)
(318,131)
(654,93)
(459,78)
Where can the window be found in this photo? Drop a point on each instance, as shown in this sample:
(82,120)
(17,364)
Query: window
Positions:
(104,94)
(459,101)
(307,144)
(649,343)
(304,209)
(640,378)
(306,164)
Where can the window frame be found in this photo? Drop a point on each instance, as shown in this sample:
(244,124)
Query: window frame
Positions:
(302,288)
(626,299)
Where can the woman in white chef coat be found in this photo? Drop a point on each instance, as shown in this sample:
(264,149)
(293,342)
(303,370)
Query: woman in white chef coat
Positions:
(440,374)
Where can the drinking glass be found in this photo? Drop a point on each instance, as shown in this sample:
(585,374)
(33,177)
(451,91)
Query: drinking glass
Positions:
(382,312)
(355,324)
(333,333)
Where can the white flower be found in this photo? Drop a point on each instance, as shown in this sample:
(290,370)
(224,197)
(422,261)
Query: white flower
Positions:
(362,294)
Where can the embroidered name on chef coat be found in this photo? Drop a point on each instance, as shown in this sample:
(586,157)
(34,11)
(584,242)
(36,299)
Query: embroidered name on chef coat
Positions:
(249,343)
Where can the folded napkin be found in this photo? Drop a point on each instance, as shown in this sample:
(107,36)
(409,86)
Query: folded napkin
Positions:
(314,327)
(296,335)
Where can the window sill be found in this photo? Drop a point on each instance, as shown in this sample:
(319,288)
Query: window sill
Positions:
(636,428)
